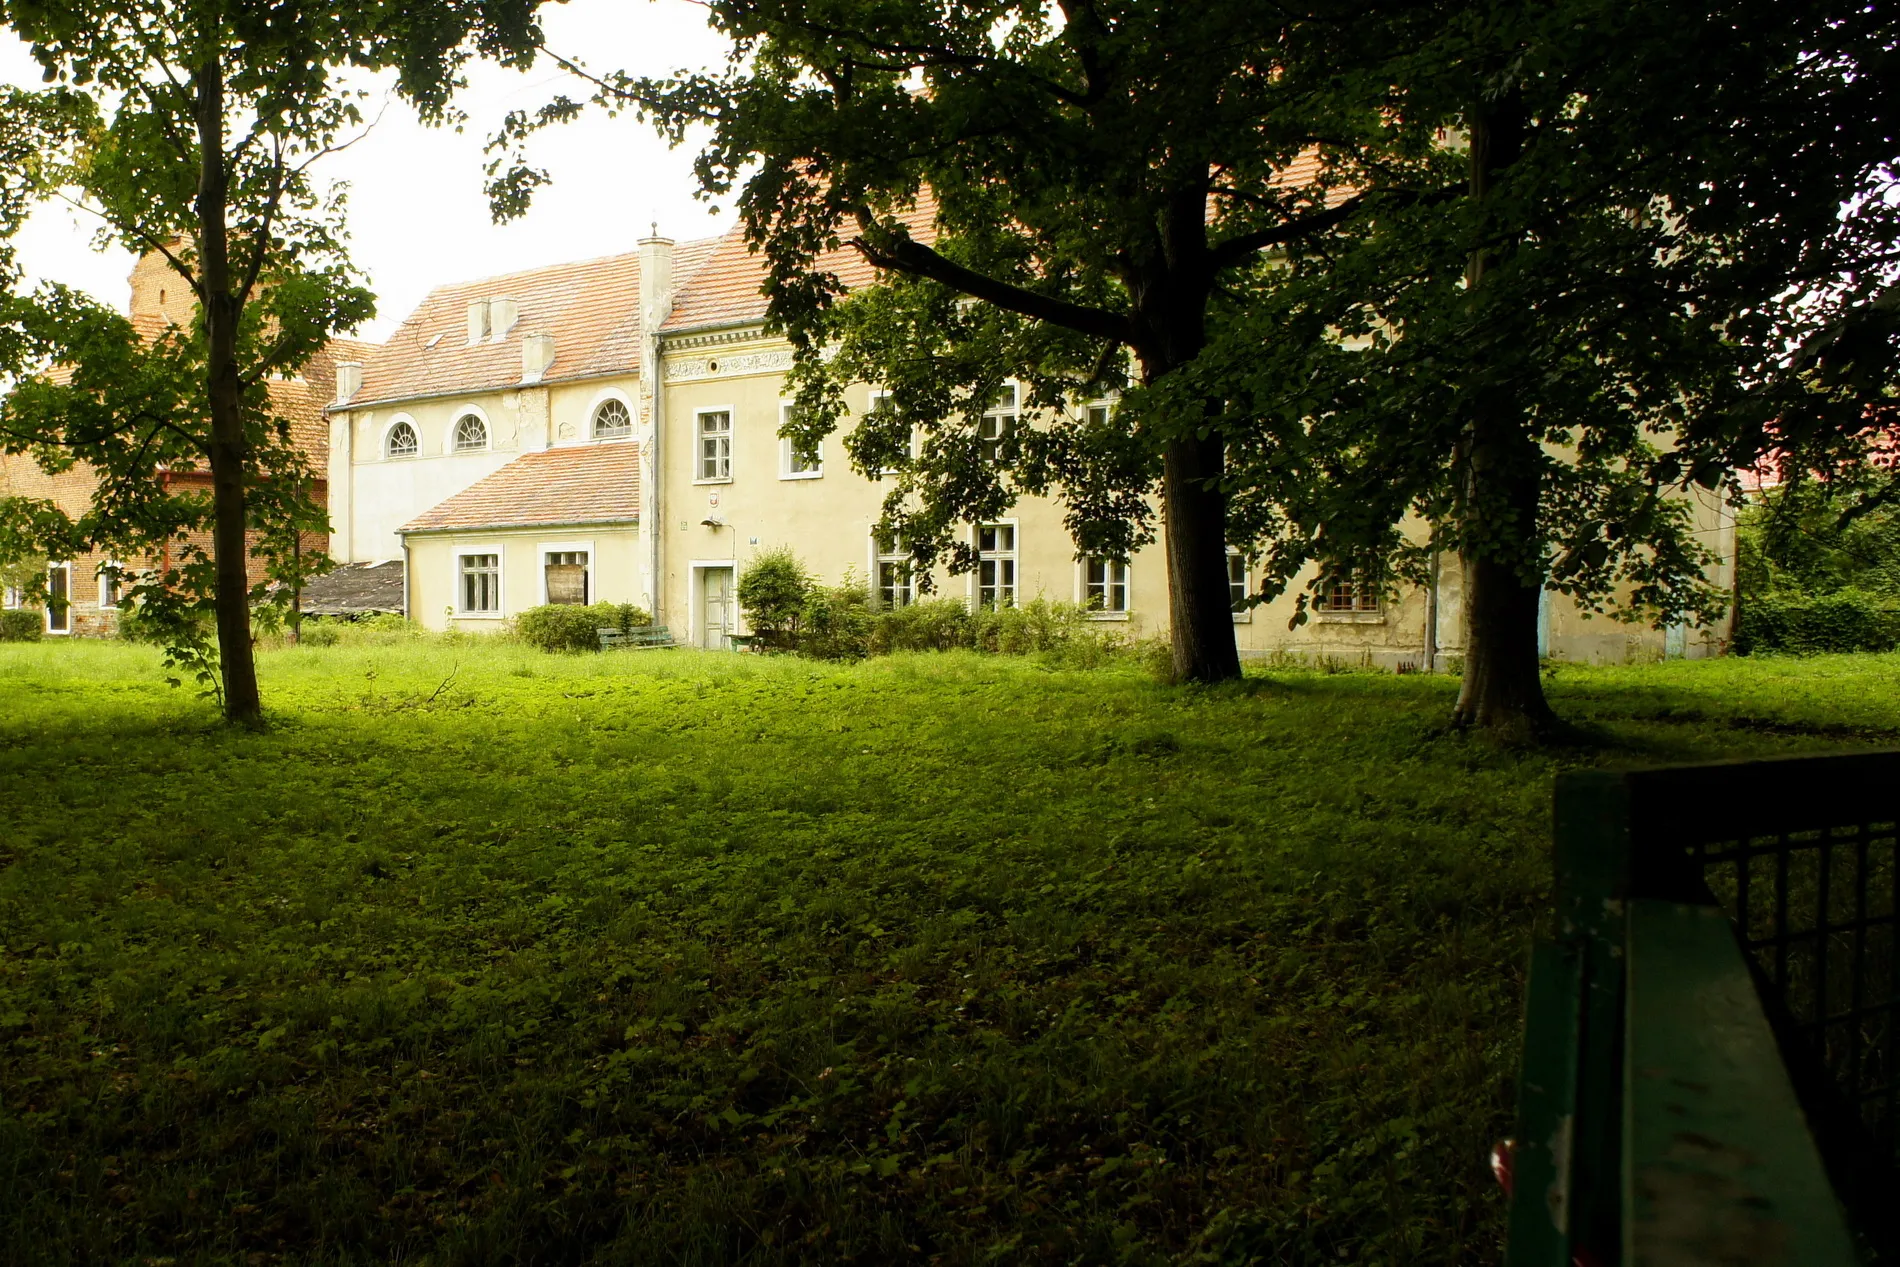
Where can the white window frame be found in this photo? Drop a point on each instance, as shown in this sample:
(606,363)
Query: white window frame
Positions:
(500,551)
(1105,405)
(897,555)
(14,598)
(543,549)
(1082,586)
(108,588)
(389,428)
(1245,615)
(1013,556)
(593,416)
(1014,415)
(67,568)
(877,398)
(454,444)
(786,454)
(699,436)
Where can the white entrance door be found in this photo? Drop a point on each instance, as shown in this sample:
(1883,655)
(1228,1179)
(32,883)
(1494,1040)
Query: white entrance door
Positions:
(715,609)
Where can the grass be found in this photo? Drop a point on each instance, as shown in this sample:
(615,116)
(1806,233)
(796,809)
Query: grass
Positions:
(478,955)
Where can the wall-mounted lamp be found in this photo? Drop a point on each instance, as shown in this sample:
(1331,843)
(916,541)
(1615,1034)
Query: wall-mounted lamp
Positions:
(715,522)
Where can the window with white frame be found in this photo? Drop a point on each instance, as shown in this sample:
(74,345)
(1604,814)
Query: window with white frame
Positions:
(110,576)
(1099,413)
(996,565)
(14,596)
(1239,588)
(796,462)
(564,573)
(478,584)
(401,442)
(59,598)
(881,403)
(998,425)
(1105,585)
(715,444)
(1348,594)
(471,434)
(896,584)
(612,420)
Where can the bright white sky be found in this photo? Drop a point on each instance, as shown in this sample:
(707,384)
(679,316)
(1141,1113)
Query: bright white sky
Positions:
(417,216)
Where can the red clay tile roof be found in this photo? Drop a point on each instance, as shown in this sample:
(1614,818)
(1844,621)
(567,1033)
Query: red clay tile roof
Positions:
(591,307)
(573,484)
(726,290)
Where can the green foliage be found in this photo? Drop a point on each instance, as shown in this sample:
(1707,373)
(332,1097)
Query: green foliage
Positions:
(773,591)
(836,621)
(568,627)
(929,624)
(1811,538)
(1840,620)
(385,629)
(720,959)
(22,624)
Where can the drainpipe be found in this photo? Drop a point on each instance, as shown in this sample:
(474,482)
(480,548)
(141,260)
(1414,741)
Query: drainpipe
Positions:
(1431,618)
(656,303)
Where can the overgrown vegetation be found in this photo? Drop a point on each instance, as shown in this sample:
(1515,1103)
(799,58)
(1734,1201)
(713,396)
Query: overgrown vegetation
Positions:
(22,624)
(569,627)
(478,955)
(1819,570)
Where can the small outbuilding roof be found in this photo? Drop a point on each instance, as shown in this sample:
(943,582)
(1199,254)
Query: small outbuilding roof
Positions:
(355,589)
(573,484)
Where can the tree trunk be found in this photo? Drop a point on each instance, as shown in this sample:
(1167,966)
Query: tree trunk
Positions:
(1194,511)
(228,449)
(1500,483)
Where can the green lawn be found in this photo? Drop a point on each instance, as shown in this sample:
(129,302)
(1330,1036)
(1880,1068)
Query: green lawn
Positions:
(479,955)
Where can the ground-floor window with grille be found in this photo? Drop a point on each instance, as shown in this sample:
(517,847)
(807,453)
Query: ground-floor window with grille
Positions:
(1348,594)
(996,565)
(480,584)
(566,575)
(1105,585)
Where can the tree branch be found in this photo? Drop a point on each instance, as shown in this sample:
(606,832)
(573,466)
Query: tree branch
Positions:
(905,254)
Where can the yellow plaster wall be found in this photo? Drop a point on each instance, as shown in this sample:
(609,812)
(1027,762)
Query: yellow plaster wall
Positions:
(432,570)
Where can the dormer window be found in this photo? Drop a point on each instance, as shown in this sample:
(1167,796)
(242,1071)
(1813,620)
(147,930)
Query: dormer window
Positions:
(401,442)
(612,421)
(471,434)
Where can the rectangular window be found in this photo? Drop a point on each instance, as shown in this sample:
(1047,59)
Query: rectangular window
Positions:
(1348,596)
(480,584)
(715,444)
(1238,588)
(108,585)
(1098,416)
(1105,585)
(998,426)
(565,572)
(996,565)
(13,596)
(796,463)
(59,596)
(881,401)
(896,586)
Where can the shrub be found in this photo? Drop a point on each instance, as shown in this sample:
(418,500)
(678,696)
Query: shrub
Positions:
(836,623)
(1805,624)
(22,624)
(1038,625)
(929,624)
(559,627)
(774,591)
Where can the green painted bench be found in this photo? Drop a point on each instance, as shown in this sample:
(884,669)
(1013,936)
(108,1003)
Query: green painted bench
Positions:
(638,638)
(1708,1073)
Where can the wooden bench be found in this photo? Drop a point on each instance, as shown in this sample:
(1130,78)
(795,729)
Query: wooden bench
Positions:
(1699,1074)
(638,638)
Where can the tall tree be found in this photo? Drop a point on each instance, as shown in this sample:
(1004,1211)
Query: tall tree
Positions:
(208,115)
(1082,182)
(1541,368)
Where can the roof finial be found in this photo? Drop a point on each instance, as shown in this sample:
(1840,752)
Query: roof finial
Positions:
(656,228)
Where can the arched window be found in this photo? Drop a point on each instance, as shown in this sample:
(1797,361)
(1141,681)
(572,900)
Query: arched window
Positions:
(471,434)
(612,421)
(401,442)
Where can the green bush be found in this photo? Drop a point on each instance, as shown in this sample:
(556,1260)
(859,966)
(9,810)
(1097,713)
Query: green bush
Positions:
(22,624)
(381,630)
(774,591)
(1038,625)
(1806,624)
(566,627)
(929,624)
(836,622)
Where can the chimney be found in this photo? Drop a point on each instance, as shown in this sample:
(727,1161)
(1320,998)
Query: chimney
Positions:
(537,353)
(502,314)
(477,321)
(349,380)
(656,280)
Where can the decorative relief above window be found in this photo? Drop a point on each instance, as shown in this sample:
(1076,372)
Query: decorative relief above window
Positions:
(729,364)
